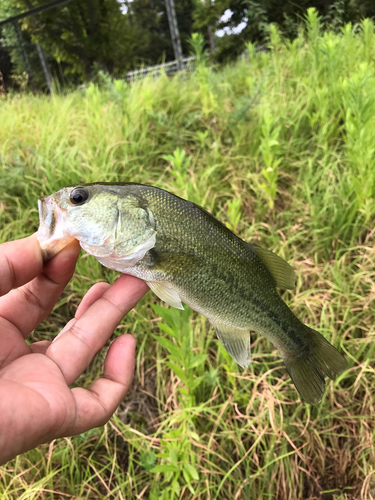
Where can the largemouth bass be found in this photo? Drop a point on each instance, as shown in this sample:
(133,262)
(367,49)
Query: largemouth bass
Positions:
(186,255)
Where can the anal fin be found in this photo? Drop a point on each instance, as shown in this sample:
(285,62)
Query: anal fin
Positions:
(167,293)
(235,341)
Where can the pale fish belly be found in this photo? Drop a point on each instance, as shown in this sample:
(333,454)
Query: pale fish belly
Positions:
(232,329)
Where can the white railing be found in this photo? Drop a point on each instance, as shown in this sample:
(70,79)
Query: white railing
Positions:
(169,68)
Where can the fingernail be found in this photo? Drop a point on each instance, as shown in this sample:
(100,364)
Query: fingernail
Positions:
(57,336)
(66,327)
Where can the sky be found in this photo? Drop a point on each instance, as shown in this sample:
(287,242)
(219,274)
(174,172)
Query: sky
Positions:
(224,18)
(229,31)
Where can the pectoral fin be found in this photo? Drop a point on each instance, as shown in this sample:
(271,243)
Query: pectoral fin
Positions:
(235,341)
(167,293)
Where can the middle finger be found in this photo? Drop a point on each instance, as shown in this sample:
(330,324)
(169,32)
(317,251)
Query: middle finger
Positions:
(95,292)
(73,351)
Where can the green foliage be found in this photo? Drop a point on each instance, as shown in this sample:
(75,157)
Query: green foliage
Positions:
(81,33)
(269,146)
(176,451)
(84,37)
(197,49)
(77,36)
(258,15)
(195,425)
(150,16)
(234,213)
(11,62)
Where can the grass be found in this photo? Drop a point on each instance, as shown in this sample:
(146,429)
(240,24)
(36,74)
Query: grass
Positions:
(279,146)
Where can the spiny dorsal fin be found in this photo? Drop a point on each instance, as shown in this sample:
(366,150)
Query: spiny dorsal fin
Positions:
(235,341)
(281,271)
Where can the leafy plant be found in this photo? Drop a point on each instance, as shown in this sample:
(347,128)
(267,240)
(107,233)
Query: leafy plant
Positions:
(188,365)
(269,148)
(197,45)
(234,213)
(180,165)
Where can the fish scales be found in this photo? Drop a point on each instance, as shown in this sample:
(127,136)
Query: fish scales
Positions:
(204,280)
(187,255)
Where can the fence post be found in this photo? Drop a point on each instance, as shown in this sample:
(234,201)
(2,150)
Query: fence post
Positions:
(211,39)
(44,64)
(175,34)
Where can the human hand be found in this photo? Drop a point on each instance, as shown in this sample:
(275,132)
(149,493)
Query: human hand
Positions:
(36,403)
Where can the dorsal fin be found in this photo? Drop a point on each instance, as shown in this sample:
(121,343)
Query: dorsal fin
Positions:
(281,271)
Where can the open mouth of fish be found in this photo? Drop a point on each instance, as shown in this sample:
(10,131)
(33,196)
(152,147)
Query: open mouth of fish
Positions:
(50,234)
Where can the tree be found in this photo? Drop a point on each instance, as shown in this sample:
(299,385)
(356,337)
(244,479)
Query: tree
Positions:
(151,16)
(7,37)
(255,15)
(83,36)
(85,32)
(78,34)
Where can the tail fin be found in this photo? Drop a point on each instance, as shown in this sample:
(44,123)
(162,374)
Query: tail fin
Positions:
(307,370)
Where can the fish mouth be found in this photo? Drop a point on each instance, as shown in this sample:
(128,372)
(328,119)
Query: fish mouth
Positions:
(47,218)
(51,235)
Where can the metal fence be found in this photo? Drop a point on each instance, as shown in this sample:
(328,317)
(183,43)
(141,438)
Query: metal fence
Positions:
(186,63)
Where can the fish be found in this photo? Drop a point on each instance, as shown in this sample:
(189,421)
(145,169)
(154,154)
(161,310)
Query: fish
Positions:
(188,256)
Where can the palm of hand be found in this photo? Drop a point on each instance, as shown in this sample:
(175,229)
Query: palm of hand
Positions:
(39,383)
(36,402)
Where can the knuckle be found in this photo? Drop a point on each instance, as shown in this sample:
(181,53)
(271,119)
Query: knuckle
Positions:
(81,335)
(32,298)
(113,305)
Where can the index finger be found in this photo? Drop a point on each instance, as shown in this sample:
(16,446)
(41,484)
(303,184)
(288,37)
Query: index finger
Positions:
(20,262)
(28,305)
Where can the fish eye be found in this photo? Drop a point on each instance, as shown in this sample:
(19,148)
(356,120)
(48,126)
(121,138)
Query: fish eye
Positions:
(79,196)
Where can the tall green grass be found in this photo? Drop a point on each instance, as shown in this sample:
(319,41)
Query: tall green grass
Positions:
(280,147)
